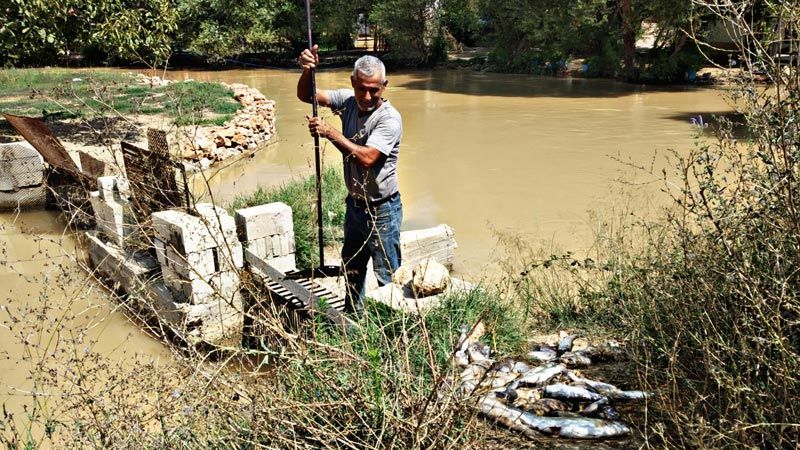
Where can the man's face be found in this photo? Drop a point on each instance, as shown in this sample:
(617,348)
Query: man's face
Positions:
(368,90)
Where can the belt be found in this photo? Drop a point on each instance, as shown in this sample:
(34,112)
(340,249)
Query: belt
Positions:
(364,205)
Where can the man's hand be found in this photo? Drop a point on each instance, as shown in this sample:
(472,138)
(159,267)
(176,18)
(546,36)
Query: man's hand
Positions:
(309,58)
(318,127)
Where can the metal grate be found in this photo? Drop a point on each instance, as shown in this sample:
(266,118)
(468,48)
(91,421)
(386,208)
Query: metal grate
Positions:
(153,181)
(67,187)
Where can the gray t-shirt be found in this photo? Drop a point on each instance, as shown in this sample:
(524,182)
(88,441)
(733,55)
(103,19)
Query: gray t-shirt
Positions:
(380,129)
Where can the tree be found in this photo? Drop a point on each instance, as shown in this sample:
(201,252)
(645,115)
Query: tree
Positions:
(43,31)
(221,29)
(412,28)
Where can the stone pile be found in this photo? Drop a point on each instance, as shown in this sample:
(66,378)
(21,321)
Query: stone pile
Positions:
(21,176)
(113,214)
(268,233)
(200,256)
(543,393)
(249,127)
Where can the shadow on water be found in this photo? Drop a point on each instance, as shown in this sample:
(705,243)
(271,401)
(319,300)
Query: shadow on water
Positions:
(521,85)
(712,121)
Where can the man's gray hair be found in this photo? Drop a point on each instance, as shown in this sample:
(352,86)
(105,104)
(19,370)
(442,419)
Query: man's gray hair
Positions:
(368,65)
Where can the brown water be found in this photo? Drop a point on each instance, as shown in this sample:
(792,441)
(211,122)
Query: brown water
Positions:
(480,152)
(49,308)
(488,153)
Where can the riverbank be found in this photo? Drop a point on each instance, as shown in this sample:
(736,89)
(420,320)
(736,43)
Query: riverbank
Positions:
(92,111)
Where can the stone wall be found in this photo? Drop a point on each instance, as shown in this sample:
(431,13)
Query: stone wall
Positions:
(250,126)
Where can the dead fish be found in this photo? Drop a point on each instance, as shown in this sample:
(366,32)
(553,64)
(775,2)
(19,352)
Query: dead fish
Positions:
(576,427)
(520,367)
(609,413)
(472,375)
(609,390)
(565,342)
(572,427)
(461,358)
(494,409)
(571,393)
(540,356)
(547,406)
(541,375)
(596,408)
(497,379)
(575,359)
(522,397)
(509,395)
(475,353)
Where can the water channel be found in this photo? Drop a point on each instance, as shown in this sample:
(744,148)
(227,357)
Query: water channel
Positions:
(484,153)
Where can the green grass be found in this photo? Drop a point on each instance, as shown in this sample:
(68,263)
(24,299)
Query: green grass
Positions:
(301,196)
(87,94)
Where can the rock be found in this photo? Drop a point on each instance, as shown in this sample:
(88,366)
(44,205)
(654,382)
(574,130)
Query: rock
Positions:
(430,278)
(227,132)
(403,275)
(218,140)
(203,144)
(239,139)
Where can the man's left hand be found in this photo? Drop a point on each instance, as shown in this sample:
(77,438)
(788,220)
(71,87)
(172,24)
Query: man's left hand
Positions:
(318,127)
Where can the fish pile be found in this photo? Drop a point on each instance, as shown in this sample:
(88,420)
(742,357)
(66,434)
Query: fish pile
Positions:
(545,394)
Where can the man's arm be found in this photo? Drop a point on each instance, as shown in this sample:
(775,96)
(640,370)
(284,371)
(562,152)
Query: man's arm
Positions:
(309,60)
(365,156)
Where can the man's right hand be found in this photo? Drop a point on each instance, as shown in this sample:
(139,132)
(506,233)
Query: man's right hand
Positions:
(309,58)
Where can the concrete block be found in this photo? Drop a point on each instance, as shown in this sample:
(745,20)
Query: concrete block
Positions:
(283,263)
(20,166)
(192,266)
(230,257)
(161,252)
(106,186)
(187,233)
(437,242)
(261,247)
(24,198)
(264,220)
(217,217)
(217,323)
(280,245)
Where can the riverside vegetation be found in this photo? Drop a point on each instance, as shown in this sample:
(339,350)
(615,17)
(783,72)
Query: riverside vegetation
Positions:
(706,300)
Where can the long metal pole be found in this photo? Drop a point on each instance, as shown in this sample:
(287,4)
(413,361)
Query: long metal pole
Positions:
(314,107)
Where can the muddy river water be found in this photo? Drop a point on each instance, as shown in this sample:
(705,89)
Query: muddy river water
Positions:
(494,153)
(484,153)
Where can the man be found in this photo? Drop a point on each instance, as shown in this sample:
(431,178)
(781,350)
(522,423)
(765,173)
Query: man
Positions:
(370,146)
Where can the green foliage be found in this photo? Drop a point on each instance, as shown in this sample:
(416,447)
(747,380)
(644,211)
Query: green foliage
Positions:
(412,30)
(222,29)
(301,195)
(72,93)
(44,31)
(462,20)
(712,301)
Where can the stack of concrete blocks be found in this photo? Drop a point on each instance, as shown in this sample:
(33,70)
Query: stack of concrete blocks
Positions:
(21,177)
(113,214)
(268,233)
(200,256)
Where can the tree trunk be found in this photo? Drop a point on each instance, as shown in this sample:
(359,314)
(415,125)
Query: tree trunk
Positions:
(628,37)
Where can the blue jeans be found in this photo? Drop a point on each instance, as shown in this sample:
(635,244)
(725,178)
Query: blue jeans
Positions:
(370,232)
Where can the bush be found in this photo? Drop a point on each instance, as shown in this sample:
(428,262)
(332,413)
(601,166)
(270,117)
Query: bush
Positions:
(712,304)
